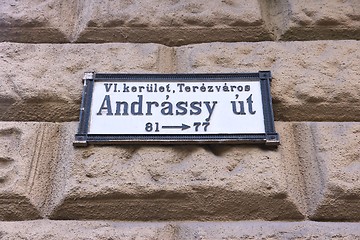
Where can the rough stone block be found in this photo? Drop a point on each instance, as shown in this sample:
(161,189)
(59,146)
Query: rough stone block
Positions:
(312,81)
(42,82)
(37,20)
(66,230)
(27,157)
(268,230)
(312,20)
(330,157)
(172,23)
(178,182)
(321,86)
(245,230)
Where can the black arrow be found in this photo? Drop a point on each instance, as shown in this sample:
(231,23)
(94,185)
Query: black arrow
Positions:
(183,127)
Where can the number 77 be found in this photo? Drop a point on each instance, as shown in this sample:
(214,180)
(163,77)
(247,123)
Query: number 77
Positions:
(198,124)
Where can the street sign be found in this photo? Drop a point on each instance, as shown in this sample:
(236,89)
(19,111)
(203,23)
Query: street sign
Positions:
(176,108)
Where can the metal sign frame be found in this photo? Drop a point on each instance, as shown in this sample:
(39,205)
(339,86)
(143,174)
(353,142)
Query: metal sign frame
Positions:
(269,137)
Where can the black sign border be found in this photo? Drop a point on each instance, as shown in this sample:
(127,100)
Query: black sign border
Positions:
(270,137)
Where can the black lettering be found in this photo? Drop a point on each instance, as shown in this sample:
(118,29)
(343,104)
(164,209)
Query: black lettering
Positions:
(149,104)
(181,85)
(168,108)
(139,106)
(195,109)
(107,86)
(210,109)
(242,110)
(126,88)
(250,102)
(182,110)
(149,88)
(125,107)
(106,105)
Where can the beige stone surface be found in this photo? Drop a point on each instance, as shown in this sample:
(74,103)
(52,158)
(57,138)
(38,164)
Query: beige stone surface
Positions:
(37,20)
(172,23)
(45,229)
(178,182)
(27,157)
(331,161)
(43,82)
(312,81)
(311,20)
(97,230)
(177,22)
(268,230)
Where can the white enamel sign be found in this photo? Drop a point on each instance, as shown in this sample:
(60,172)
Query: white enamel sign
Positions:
(168,108)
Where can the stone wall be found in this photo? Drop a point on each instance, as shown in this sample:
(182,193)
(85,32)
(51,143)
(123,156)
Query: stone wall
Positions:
(180,191)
